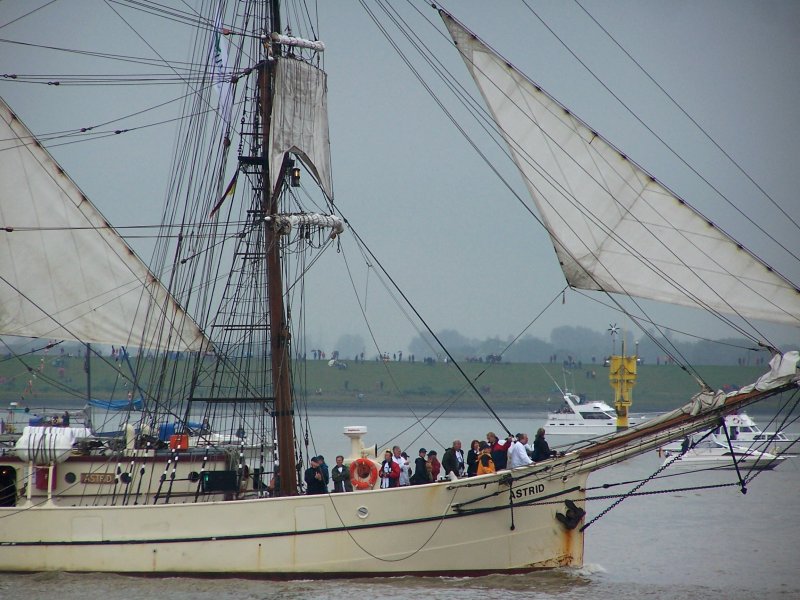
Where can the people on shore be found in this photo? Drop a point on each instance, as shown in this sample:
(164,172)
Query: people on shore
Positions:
(472,458)
(340,474)
(518,453)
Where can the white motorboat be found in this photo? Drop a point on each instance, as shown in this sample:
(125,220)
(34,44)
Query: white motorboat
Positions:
(715,453)
(576,417)
(743,431)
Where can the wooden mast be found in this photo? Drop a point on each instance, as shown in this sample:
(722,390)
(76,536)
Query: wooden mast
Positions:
(279,330)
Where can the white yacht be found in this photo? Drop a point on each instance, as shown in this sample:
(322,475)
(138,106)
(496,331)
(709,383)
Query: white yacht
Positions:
(716,453)
(577,417)
(744,431)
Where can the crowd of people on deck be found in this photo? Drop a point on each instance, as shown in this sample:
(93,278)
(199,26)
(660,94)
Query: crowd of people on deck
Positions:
(396,469)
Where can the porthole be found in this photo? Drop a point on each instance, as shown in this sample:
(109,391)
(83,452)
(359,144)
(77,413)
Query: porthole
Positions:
(70,477)
(362,512)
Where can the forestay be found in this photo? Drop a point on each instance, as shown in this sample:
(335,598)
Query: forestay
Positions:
(615,228)
(65,273)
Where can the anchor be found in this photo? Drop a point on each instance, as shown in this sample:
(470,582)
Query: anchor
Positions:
(573,515)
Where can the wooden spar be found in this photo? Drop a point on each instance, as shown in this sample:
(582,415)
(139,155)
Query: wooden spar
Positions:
(279,331)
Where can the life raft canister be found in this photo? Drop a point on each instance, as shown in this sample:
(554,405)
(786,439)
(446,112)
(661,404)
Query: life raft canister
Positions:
(363,473)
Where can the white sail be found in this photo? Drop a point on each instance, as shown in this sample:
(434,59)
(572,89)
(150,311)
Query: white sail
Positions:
(286,223)
(613,226)
(300,120)
(64,272)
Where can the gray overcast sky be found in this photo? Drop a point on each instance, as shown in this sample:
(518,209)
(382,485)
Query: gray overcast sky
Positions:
(449,232)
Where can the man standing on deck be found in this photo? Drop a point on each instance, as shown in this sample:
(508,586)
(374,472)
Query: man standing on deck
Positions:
(341,476)
(420,475)
(397,456)
(453,460)
(315,481)
(499,450)
(326,476)
(517,453)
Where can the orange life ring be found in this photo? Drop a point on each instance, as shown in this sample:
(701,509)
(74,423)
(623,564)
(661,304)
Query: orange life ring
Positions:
(363,473)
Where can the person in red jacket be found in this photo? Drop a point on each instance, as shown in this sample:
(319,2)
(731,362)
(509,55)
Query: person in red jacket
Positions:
(389,471)
(499,450)
(434,466)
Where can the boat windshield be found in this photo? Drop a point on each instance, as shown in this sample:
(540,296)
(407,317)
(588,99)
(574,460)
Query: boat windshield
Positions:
(596,415)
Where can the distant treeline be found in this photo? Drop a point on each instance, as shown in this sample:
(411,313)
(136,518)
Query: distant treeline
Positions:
(34,379)
(567,345)
(584,346)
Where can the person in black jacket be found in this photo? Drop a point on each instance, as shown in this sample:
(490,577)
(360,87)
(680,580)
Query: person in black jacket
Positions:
(314,478)
(472,458)
(453,460)
(326,474)
(420,475)
(541,449)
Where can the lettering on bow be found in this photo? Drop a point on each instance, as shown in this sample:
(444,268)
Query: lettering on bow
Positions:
(97,478)
(531,490)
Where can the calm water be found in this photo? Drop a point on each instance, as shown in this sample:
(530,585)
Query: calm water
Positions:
(706,544)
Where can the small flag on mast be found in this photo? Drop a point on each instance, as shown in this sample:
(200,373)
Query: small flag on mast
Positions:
(220,75)
(228,192)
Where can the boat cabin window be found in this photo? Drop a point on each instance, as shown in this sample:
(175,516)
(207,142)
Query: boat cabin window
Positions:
(595,415)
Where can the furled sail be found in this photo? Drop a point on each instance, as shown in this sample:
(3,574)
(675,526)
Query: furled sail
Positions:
(64,272)
(300,120)
(615,228)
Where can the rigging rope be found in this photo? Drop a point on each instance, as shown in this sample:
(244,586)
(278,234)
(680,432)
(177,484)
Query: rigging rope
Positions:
(479,113)
(430,331)
(696,124)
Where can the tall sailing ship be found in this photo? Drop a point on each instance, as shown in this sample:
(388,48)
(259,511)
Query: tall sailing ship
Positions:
(212,325)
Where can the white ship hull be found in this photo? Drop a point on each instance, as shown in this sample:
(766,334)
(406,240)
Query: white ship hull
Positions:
(403,530)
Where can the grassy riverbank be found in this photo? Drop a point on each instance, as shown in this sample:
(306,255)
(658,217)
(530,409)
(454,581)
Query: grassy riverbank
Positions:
(36,379)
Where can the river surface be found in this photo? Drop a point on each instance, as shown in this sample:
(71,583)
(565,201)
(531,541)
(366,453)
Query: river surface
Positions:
(712,544)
